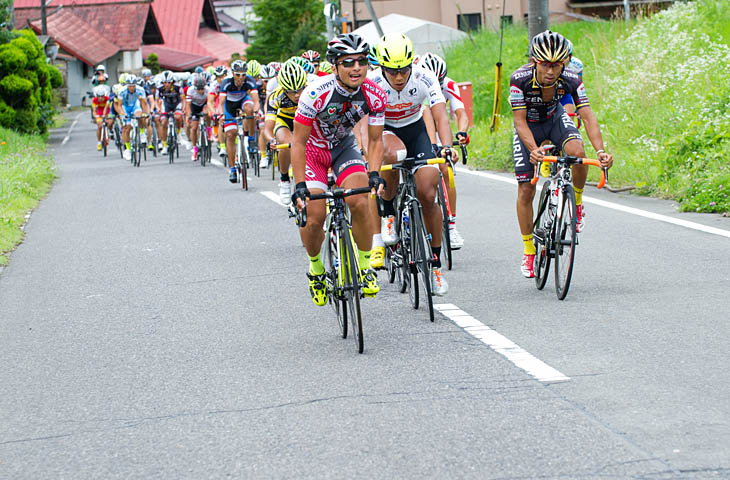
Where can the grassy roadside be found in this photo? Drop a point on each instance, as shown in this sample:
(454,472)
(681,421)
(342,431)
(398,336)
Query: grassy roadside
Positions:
(659,86)
(26,174)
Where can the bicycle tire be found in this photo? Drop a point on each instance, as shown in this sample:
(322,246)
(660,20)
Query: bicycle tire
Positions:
(332,243)
(104,138)
(412,240)
(244,179)
(256,159)
(424,254)
(565,242)
(275,164)
(353,293)
(542,238)
(445,237)
(143,148)
(391,265)
(153,127)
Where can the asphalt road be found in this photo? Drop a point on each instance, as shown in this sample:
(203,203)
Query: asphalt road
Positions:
(156,323)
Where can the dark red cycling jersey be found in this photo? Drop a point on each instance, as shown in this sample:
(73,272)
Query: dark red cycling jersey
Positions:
(526,93)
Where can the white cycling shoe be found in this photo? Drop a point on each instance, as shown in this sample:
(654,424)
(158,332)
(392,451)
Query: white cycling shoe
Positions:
(457,241)
(127,155)
(285,192)
(439,285)
(387,230)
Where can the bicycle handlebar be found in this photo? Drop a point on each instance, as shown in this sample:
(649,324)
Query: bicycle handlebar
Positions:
(283,146)
(301,215)
(568,160)
(410,163)
(464,152)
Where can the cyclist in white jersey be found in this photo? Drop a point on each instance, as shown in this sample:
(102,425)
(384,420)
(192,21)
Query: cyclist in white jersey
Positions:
(407,89)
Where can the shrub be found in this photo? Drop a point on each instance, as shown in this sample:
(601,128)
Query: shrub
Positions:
(26,82)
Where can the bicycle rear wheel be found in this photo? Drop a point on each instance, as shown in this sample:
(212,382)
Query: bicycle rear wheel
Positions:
(446,253)
(565,241)
(352,294)
(411,261)
(104,138)
(332,253)
(541,236)
(390,263)
(423,255)
(241,153)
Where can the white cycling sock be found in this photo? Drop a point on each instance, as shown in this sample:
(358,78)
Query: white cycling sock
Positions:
(378,240)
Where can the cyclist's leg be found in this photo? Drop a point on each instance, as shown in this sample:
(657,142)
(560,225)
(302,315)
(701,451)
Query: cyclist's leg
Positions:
(312,235)
(178,117)
(283,135)
(230,128)
(248,124)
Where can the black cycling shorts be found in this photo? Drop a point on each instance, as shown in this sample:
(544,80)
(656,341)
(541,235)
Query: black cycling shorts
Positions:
(559,129)
(415,138)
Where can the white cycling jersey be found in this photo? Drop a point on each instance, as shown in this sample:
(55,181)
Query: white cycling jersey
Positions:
(404,107)
(451,93)
(575,66)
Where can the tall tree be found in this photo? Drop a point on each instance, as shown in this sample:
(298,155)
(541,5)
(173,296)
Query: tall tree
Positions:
(286,28)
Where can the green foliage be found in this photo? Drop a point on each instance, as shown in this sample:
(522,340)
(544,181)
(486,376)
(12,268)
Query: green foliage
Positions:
(12,59)
(26,173)
(286,28)
(5,13)
(659,92)
(26,83)
(153,63)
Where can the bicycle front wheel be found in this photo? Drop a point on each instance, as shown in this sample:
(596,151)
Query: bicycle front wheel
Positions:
(352,285)
(565,241)
(241,155)
(423,254)
(445,237)
(542,230)
(333,278)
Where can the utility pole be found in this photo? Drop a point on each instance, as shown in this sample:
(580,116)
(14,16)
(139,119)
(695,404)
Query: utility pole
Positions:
(538,17)
(328,16)
(44,29)
(627,11)
(374,17)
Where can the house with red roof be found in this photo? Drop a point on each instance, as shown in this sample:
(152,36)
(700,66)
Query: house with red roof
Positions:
(120,33)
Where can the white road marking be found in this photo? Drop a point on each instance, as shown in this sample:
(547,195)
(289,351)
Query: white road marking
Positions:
(68,134)
(615,206)
(273,197)
(501,344)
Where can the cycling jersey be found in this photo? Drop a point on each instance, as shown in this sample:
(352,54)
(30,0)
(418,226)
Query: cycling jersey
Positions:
(332,111)
(196,97)
(526,93)
(171,99)
(236,94)
(451,92)
(130,99)
(404,107)
(281,109)
(99,103)
(575,66)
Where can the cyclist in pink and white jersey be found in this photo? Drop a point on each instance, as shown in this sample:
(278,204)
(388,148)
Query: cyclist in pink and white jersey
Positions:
(327,111)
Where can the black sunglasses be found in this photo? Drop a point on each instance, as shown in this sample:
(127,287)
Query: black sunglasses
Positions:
(294,92)
(396,71)
(350,62)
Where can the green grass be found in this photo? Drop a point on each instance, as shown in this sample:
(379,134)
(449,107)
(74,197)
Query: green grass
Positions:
(659,86)
(26,174)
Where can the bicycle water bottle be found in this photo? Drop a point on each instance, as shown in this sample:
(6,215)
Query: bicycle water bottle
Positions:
(406,222)
(553,204)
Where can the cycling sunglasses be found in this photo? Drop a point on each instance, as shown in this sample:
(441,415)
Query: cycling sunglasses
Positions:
(396,71)
(550,64)
(350,62)
(294,92)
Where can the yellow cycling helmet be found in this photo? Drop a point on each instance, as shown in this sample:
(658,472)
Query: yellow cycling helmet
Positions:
(325,66)
(395,50)
(292,77)
(254,68)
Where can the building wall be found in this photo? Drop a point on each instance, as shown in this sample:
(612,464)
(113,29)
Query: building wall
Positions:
(445,11)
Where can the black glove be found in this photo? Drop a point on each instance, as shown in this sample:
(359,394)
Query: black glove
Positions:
(375,181)
(463,134)
(435,149)
(300,191)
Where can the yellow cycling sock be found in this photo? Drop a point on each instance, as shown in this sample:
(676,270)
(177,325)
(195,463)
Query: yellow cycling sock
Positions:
(127,145)
(141,130)
(363,259)
(316,267)
(529,246)
(164,143)
(578,195)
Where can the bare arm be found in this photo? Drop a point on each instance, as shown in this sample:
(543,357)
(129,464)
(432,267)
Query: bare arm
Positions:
(256,103)
(298,146)
(462,119)
(375,147)
(442,124)
(430,125)
(523,131)
(594,135)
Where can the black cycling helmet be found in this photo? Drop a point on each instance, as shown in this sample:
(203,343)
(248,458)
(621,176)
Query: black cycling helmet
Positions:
(549,47)
(199,81)
(346,44)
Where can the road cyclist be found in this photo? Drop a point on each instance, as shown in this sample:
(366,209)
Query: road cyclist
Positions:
(238,92)
(323,139)
(100,106)
(279,122)
(196,98)
(170,102)
(407,88)
(535,93)
(132,102)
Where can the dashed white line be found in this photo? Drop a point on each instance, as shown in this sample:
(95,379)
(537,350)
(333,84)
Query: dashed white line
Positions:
(502,345)
(615,206)
(68,134)
(273,197)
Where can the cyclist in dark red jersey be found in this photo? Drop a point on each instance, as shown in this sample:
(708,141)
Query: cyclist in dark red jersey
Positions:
(535,93)
(328,110)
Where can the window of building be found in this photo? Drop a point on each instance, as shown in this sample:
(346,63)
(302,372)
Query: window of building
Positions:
(469,21)
(506,19)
